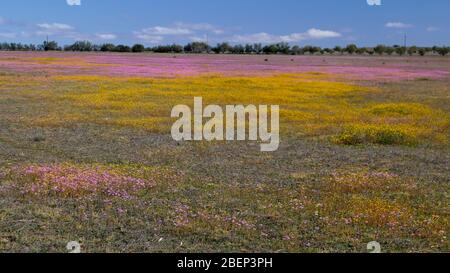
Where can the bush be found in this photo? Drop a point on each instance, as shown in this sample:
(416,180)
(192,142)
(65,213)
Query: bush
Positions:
(443,51)
(49,46)
(137,48)
(167,49)
(380,49)
(80,46)
(390,50)
(412,50)
(197,47)
(108,47)
(376,134)
(351,49)
(122,48)
(399,109)
(400,50)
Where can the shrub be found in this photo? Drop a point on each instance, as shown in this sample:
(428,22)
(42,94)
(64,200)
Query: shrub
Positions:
(376,134)
(399,109)
(80,46)
(107,47)
(443,51)
(137,48)
(412,50)
(49,46)
(380,49)
(122,48)
(351,49)
(422,52)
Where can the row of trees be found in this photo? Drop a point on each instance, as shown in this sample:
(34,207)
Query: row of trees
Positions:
(226,48)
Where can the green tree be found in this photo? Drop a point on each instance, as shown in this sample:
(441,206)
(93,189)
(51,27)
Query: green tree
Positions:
(400,50)
(223,48)
(107,48)
(328,51)
(412,50)
(296,50)
(361,50)
(49,46)
(137,48)
(389,50)
(197,47)
(80,46)
(311,49)
(176,48)
(283,48)
(380,49)
(338,49)
(238,49)
(249,49)
(351,49)
(258,48)
(270,49)
(122,48)
(422,51)
(442,50)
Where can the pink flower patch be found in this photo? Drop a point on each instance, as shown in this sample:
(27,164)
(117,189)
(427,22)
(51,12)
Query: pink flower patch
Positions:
(78,181)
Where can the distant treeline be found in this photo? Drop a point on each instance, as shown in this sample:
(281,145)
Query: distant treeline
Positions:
(226,48)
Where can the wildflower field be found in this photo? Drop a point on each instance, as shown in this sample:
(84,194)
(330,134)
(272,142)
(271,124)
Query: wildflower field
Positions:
(86,154)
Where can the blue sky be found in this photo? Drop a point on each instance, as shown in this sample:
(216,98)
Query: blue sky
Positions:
(318,22)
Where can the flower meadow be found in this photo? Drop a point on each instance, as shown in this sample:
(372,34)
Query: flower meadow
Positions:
(166,65)
(86,154)
(72,181)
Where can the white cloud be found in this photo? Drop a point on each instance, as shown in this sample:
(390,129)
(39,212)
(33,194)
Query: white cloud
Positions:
(398,25)
(261,37)
(201,27)
(374,2)
(158,30)
(73,2)
(198,38)
(106,36)
(195,32)
(55,27)
(432,29)
(266,38)
(58,30)
(322,34)
(149,38)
